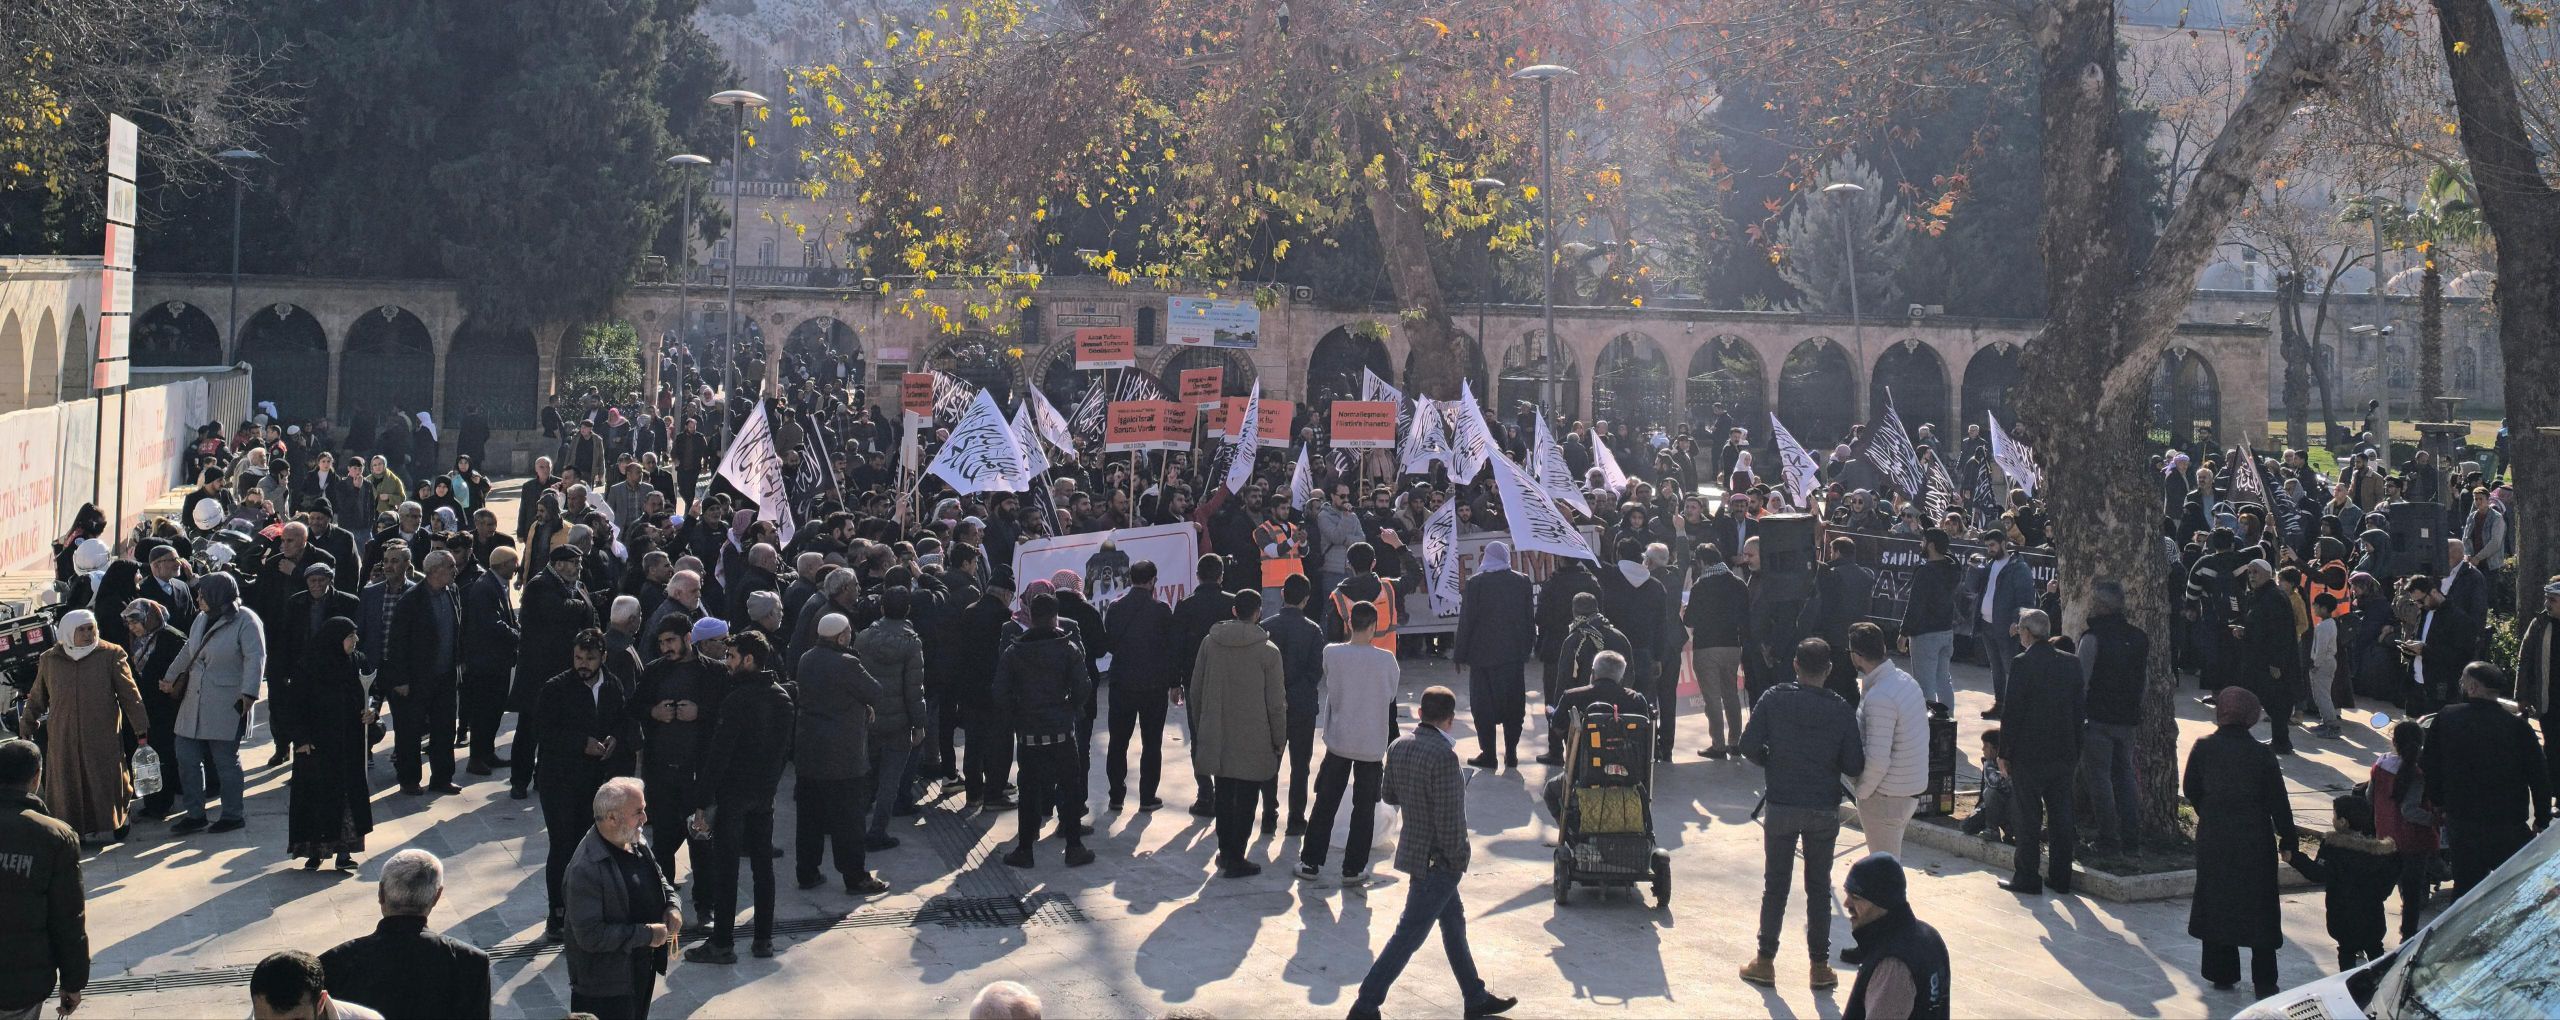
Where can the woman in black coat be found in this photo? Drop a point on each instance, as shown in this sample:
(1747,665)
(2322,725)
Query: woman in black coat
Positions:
(332,802)
(2244,827)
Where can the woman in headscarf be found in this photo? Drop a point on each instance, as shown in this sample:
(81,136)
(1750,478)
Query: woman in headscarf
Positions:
(326,711)
(119,584)
(84,694)
(440,496)
(150,646)
(224,660)
(2244,826)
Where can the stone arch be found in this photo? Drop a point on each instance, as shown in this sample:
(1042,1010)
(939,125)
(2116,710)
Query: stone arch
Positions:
(1631,382)
(79,355)
(1917,378)
(1817,394)
(983,362)
(176,333)
(1333,370)
(13,364)
(829,349)
(1472,370)
(44,371)
(389,364)
(1055,372)
(288,355)
(1524,373)
(496,372)
(1725,370)
(1237,381)
(1987,380)
(2186,402)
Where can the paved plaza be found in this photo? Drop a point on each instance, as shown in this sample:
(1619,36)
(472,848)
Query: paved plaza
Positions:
(1147,929)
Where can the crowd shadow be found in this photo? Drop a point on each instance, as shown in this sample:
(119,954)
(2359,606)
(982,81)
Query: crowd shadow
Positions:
(1204,940)
(2071,923)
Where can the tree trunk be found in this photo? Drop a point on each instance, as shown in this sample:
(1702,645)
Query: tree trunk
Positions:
(2086,380)
(2298,358)
(2430,340)
(1404,243)
(2523,214)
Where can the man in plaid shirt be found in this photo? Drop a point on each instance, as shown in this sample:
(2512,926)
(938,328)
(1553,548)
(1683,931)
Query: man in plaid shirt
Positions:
(1422,780)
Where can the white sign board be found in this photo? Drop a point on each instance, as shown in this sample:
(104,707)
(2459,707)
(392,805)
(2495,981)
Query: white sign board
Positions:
(1175,548)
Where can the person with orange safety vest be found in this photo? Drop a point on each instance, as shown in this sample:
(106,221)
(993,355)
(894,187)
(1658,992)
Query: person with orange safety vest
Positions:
(1363,585)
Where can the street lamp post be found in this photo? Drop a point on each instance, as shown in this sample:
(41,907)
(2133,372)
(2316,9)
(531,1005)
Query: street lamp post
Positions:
(684,163)
(1845,192)
(231,329)
(1545,75)
(739,101)
(1487,187)
(2381,329)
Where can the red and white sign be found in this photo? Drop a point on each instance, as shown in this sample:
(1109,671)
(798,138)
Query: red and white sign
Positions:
(1134,425)
(1106,347)
(1363,425)
(915,394)
(112,368)
(1200,387)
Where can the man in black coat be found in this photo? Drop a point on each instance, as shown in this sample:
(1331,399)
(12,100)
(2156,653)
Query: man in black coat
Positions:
(1497,632)
(741,769)
(491,640)
(1199,611)
(969,642)
(2040,743)
(2484,768)
(1636,601)
(2442,644)
(1717,615)
(2265,635)
(422,650)
(1301,644)
(1555,620)
(1041,677)
(1842,591)
(587,737)
(1073,607)
(554,612)
(1146,661)
(414,973)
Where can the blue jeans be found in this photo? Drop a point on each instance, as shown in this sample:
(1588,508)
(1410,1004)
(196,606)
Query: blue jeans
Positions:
(1432,899)
(889,767)
(2107,765)
(223,756)
(1933,664)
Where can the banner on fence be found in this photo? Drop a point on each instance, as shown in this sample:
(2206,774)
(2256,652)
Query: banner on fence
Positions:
(1175,548)
(1895,559)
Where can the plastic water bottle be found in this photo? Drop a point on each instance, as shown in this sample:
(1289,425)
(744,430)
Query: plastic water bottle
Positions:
(146,771)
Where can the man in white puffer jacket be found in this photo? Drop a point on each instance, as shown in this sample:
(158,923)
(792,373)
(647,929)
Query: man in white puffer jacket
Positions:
(1893,717)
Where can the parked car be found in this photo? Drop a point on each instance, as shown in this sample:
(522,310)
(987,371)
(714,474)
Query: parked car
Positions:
(2488,955)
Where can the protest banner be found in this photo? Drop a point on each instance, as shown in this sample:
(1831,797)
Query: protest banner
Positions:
(915,393)
(1200,386)
(1175,548)
(1134,425)
(1894,559)
(1272,430)
(1416,615)
(1106,347)
(1363,425)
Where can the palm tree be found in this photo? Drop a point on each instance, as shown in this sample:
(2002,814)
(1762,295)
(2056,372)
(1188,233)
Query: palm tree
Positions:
(2446,216)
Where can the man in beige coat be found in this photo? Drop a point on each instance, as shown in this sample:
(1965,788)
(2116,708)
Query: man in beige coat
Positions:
(1240,696)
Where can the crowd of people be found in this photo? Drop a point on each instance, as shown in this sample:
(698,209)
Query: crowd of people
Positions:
(672,655)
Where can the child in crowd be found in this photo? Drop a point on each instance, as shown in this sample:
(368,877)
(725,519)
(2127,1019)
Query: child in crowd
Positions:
(2359,871)
(2324,664)
(1990,818)
(2404,813)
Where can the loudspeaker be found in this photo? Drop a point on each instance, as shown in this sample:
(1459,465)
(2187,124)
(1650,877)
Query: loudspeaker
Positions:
(2417,538)
(1786,555)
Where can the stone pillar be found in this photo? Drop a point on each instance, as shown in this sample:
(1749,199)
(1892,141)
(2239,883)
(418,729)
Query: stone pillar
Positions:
(443,348)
